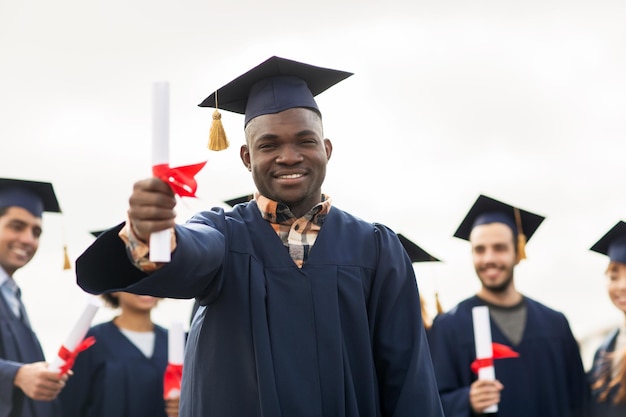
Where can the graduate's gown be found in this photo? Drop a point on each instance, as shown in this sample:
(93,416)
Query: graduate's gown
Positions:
(600,365)
(114,378)
(341,337)
(19,345)
(547,380)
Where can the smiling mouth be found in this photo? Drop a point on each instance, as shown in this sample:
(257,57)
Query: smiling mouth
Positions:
(290,176)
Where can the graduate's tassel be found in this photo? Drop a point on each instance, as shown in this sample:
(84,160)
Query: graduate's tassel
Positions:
(66,259)
(521,237)
(438,304)
(217,136)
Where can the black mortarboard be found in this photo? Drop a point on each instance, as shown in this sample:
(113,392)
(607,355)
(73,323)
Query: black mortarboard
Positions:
(33,196)
(273,86)
(416,254)
(237,200)
(487,210)
(97,233)
(613,243)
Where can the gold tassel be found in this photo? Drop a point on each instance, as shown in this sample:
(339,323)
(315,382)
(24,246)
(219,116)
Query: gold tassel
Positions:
(217,136)
(66,259)
(438,303)
(521,237)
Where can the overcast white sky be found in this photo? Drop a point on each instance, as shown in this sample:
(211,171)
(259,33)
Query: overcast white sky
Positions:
(522,101)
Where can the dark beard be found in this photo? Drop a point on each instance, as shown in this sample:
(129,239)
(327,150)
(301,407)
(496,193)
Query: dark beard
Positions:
(500,288)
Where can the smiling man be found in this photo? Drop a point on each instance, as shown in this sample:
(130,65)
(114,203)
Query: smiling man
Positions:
(305,310)
(27,388)
(547,379)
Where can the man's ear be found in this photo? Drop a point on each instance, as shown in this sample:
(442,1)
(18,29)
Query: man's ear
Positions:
(244,154)
(328,145)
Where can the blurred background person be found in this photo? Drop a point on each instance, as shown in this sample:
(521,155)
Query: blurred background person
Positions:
(122,373)
(27,388)
(608,373)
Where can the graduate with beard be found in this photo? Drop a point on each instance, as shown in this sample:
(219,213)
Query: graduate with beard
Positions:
(547,379)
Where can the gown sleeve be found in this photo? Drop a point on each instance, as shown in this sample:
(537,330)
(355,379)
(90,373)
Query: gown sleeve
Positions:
(401,354)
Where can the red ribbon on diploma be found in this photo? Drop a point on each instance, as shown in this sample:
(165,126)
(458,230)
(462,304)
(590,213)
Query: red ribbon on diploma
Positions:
(180,179)
(499,352)
(172,379)
(70,356)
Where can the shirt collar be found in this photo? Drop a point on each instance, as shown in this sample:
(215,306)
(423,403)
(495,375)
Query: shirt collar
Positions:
(277,212)
(3,276)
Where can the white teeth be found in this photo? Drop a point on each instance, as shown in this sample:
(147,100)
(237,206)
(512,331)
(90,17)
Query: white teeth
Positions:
(290,176)
(20,252)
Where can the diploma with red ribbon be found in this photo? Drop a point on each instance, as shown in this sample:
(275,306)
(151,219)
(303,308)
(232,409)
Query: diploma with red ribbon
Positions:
(76,342)
(486,351)
(180,179)
(175,354)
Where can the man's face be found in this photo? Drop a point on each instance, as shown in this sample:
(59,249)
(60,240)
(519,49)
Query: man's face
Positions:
(19,238)
(493,253)
(287,155)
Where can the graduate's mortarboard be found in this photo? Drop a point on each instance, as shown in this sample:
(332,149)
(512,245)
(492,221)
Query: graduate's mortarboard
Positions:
(613,243)
(243,199)
(416,253)
(275,85)
(487,210)
(34,196)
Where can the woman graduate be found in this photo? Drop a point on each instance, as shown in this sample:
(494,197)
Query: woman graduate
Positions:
(122,373)
(608,374)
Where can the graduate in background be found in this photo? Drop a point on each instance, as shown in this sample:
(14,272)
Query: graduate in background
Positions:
(122,373)
(608,374)
(547,380)
(27,388)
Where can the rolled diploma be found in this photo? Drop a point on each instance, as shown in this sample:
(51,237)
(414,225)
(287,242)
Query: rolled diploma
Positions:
(78,332)
(175,343)
(175,355)
(160,249)
(482,341)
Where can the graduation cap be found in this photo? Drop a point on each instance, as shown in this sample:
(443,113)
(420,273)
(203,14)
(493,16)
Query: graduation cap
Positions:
(35,196)
(275,85)
(416,254)
(613,243)
(243,199)
(487,210)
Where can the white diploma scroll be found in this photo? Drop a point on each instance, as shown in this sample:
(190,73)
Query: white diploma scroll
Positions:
(175,343)
(78,332)
(175,354)
(160,249)
(484,349)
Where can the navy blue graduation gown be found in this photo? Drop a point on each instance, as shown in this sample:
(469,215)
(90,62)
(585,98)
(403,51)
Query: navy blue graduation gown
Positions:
(340,337)
(547,380)
(114,378)
(601,365)
(19,345)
